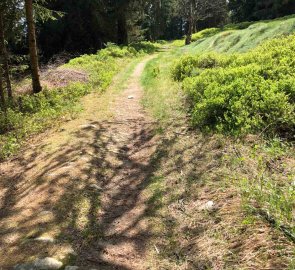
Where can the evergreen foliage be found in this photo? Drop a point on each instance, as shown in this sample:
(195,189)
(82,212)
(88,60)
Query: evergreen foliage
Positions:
(254,10)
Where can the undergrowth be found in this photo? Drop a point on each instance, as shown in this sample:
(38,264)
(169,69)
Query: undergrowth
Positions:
(250,93)
(30,114)
(246,93)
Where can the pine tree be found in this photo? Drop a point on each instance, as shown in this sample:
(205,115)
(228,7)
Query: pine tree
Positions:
(2,97)
(3,53)
(33,47)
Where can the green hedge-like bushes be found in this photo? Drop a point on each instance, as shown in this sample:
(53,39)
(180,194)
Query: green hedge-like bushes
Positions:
(242,93)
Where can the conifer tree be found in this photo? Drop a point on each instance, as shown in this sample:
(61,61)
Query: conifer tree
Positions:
(3,51)
(33,46)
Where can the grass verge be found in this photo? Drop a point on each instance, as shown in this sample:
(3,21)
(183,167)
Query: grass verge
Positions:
(215,189)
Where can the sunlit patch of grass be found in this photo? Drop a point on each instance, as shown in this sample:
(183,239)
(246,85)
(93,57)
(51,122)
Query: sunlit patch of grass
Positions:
(232,39)
(162,96)
(82,218)
(155,190)
(178,43)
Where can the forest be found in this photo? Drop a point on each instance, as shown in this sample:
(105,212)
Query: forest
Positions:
(147,134)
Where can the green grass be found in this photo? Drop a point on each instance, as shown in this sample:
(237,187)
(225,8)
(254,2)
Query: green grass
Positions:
(231,40)
(261,172)
(162,96)
(267,189)
(34,113)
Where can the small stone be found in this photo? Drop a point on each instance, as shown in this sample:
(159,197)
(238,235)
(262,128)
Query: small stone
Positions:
(47,264)
(67,253)
(45,239)
(25,266)
(130,97)
(95,187)
(88,126)
(71,267)
(209,205)
(46,213)
(71,252)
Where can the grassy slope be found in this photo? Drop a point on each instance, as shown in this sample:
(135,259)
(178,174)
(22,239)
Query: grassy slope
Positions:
(232,41)
(197,168)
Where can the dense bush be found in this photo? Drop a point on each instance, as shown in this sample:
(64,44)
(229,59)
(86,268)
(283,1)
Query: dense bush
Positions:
(32,113)
(242,93)
(184,68)
(191,66)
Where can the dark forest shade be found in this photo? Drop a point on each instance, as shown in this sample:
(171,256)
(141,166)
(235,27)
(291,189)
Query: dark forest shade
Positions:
(87,25)
(254,10)
(79,30)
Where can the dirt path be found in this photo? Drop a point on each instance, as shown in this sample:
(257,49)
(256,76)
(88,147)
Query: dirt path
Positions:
(80,191)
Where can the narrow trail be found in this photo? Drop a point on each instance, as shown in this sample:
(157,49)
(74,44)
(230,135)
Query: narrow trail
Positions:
(83,188)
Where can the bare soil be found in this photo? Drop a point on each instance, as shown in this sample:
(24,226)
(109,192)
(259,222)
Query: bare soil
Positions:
(83,186)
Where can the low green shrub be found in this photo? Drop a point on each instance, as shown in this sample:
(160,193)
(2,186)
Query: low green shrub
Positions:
(145,47)
(184,68)
(178,43)
(191,66)
(245,93)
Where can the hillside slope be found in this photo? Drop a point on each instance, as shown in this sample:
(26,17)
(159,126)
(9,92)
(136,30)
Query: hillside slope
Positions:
(232,39)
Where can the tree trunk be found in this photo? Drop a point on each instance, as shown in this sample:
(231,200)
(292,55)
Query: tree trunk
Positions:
(33,47)
(4,58)
(2,98)
(194,27)
(158,19)
(122,35)
(188,38)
